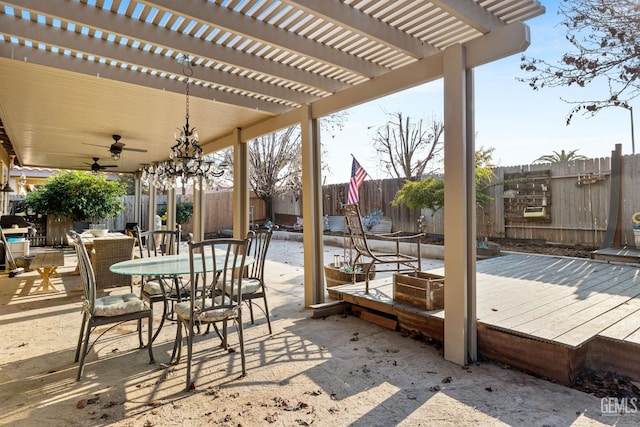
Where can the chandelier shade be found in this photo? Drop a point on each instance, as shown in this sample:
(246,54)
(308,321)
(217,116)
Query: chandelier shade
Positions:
(186,164)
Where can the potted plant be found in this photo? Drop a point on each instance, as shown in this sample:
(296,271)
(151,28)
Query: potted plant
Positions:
(373,218)
(635,224)
(342,274)
(184,212)
(75,196)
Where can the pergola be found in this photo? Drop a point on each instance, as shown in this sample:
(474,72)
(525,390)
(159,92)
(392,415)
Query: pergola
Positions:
(75,72)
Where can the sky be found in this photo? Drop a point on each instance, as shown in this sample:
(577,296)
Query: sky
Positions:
(519,123)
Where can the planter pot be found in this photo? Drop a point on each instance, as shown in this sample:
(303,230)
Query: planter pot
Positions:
(419,289)
(384,226)
(487,249)
(336,223)
(335,277)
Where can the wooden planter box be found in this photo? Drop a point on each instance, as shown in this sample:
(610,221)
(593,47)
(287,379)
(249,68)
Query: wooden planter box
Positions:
(420,289)
(335,277)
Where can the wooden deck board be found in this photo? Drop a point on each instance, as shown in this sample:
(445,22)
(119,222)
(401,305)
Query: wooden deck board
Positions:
(599,324)
(521,293)
(559,316)
(624,328)
(537,301)
(556,307)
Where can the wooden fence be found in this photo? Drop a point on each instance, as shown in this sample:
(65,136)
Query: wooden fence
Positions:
(564,203)
(218,209)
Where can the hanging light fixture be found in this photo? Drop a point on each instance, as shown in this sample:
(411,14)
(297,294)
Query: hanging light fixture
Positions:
(186,161)
(6,188)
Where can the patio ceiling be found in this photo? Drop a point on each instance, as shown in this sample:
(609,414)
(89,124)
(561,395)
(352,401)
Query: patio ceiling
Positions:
(76,72)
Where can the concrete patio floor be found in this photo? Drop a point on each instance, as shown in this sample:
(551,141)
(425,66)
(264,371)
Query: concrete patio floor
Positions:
(336,371)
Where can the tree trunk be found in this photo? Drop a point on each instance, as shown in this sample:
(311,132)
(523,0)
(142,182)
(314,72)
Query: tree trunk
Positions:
(268,205)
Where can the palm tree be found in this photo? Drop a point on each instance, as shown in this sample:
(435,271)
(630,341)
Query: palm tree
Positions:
(562,156)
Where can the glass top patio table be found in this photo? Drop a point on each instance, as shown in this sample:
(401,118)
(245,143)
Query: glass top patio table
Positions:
(168,265)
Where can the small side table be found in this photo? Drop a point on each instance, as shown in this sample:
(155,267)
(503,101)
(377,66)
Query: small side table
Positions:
(46,264)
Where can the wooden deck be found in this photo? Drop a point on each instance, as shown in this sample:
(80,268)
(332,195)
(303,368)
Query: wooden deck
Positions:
(551,316)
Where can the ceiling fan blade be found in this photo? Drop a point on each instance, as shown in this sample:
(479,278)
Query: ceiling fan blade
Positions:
(108,166)
(139,150)
(96,145)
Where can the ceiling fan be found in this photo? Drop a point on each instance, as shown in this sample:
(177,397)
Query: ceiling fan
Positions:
(95,167)
(116,148)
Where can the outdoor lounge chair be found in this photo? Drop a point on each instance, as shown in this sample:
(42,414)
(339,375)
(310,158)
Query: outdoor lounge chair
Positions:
(360,243)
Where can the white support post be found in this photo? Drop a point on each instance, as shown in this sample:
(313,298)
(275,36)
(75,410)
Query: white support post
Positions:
(459,253)
(198,214)
(153,206)
(312,208)
(171,209)
(137,198)
(240,187)
(472,317)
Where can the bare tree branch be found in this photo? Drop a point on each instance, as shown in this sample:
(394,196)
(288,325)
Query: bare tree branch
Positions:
(406,148)
(606,37)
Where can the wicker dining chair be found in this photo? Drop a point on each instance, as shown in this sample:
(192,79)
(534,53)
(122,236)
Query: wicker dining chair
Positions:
(105,253)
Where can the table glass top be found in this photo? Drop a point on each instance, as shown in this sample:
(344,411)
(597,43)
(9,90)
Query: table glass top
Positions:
(163,265)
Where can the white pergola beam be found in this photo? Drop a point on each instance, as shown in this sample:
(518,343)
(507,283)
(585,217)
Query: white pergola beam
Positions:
(112,23)
(124,75)
(471,13)
(358,22)
(30,30)
(225,19)
(506,41)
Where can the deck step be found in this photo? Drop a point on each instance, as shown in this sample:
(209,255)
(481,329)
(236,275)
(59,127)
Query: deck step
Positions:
(329,308)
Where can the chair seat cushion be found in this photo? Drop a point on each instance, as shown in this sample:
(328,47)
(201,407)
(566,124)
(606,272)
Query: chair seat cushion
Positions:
(115,305)
(182,309)
(154,287)
(249,286)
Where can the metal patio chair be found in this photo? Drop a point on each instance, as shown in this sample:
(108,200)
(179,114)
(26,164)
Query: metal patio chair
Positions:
(164,289)
(107,310)
(360,243)
(212,279)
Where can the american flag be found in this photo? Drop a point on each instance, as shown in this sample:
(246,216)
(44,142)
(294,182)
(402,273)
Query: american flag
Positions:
(358,174)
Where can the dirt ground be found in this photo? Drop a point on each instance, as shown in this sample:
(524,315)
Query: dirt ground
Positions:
(336,371)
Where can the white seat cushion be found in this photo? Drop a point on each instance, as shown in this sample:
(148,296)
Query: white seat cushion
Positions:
(154,287)
(183,309)
(249,286)
(115,305)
